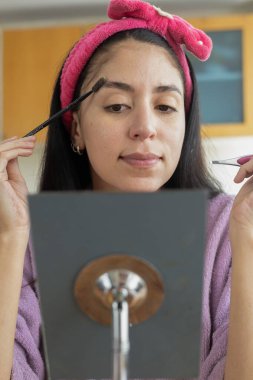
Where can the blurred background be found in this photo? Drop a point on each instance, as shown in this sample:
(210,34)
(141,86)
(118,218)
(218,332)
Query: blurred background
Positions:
(35,36)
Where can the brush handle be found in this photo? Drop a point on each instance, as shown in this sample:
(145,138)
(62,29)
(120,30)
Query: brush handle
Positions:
(100,83)
(58,114)
(242,160)
(237,161)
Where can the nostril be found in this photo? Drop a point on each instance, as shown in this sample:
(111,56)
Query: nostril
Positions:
(142,131)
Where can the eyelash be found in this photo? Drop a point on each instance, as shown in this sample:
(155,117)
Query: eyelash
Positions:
(110,108)
(169,108)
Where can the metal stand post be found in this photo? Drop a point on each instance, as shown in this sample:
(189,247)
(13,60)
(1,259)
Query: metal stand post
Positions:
(120,339)
(114,290)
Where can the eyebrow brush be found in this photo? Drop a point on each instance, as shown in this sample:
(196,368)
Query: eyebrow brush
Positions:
(100,83)
(237,161)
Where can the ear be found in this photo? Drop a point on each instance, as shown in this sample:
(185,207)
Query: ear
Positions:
(76,132)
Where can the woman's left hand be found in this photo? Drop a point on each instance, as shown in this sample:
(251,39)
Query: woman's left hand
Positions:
(241,218)
(239,363)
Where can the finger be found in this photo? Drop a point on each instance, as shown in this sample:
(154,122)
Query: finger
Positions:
(9,139)
(239,177)
(5,157)
(13,170)
(15,142)
(245,171)
(17,139)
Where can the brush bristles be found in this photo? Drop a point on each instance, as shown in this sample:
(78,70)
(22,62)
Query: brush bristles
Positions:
(100,83)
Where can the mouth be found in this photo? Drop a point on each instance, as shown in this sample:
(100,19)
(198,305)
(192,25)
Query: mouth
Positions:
(141,160)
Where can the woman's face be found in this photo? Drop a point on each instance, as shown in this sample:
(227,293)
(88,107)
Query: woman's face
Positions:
(133,127)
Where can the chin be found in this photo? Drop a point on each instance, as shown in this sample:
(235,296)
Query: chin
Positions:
(143,187)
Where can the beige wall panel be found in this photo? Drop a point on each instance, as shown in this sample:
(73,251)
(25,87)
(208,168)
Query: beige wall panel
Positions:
(31,61)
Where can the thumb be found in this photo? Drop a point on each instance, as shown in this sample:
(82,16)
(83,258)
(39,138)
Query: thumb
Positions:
(13,171)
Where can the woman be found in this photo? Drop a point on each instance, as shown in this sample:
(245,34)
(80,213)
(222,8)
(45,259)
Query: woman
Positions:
(139,132)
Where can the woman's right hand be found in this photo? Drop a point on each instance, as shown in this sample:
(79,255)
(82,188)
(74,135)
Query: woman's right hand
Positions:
(14,234)
(13,190)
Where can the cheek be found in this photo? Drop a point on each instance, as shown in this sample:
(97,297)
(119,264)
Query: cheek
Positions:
(101,140)
(174,133)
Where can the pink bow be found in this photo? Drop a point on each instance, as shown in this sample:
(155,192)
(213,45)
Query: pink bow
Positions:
(174,27)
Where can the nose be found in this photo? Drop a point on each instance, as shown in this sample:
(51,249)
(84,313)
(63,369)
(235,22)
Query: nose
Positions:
(143,125)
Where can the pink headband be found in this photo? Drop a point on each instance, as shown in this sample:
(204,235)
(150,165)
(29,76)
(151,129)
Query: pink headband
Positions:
(132,14)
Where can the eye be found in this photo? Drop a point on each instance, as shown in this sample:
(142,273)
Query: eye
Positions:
(117,108)
(165,108)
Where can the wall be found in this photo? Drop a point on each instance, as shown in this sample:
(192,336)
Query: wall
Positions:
(32,58)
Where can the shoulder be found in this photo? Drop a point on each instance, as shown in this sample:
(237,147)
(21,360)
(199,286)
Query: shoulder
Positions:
(218,249)
(218,214)
(220,206)
(27,358)
(216,287)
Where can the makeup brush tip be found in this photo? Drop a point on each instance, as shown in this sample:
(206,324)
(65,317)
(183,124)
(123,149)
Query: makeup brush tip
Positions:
(100,83)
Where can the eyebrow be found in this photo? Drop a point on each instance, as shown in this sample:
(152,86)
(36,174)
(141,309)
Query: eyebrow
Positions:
(129,88)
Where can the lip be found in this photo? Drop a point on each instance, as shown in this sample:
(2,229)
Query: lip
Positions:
(141,160)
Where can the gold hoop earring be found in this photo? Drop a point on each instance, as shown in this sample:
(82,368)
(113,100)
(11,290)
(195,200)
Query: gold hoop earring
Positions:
(76,149)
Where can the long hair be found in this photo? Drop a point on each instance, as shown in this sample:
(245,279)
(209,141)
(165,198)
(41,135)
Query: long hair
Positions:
(62,169)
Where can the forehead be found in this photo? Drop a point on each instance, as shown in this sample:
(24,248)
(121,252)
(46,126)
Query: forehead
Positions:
(133,59)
